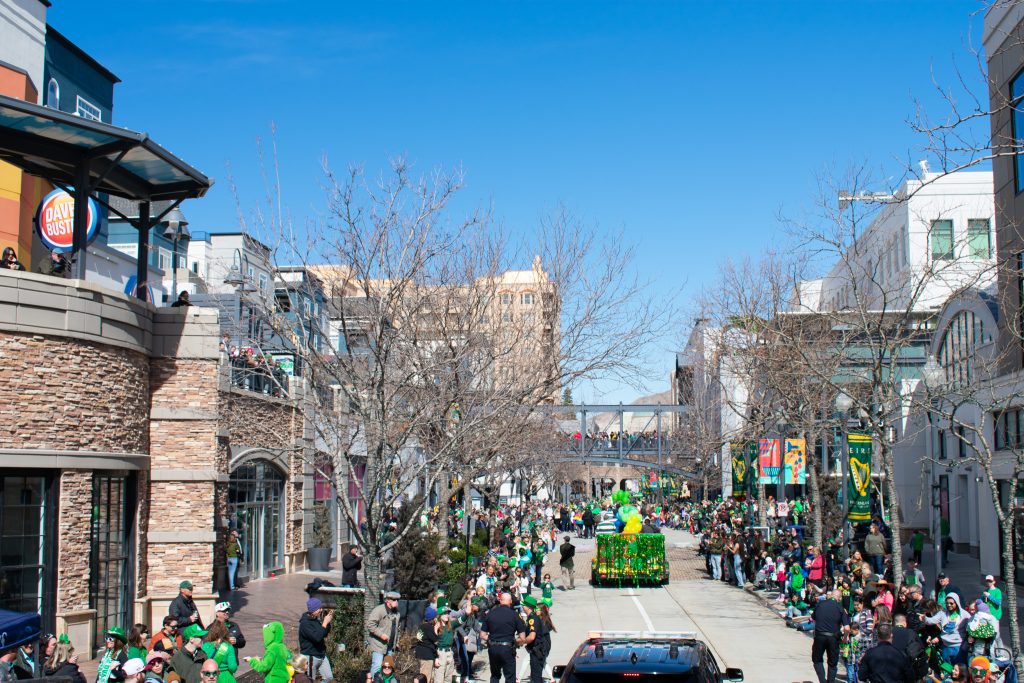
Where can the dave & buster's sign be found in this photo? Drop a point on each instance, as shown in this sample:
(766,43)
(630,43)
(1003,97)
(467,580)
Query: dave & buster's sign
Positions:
(55,221)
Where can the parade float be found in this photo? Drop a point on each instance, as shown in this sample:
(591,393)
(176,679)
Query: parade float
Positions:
(629,558)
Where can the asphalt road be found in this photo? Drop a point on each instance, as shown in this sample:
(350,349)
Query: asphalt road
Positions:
(739,628)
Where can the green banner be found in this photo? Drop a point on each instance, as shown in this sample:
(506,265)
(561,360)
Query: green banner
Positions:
(859,489)
(740,469)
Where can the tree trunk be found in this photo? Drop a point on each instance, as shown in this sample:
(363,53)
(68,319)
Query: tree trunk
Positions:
(816,520)
(762,511)
(895,523)
(444,492)
(371,568)
(1010,597)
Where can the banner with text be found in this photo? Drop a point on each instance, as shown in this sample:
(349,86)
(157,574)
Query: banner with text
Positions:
(859,489)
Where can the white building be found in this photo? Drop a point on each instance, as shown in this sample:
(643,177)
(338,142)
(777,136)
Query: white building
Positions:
(933,238)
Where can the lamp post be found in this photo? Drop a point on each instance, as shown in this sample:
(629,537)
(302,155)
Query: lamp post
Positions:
(933,377)
(237,277)
(176,230)
(844,404)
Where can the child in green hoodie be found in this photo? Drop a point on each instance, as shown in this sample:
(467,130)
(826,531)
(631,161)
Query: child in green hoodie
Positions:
(796,580)
(274,662)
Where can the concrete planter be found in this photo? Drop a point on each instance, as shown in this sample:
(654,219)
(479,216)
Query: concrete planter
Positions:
(318,559)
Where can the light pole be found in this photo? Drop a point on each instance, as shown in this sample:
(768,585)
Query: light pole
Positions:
(934,377)
(238,278)
(176,230)
(844,404)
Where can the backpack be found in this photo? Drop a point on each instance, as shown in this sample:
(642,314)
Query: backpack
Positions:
(918,657)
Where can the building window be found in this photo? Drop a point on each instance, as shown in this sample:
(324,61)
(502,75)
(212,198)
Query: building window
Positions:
(264,282)
(526,298)
(53,94)
(941,238)
(110,575)
(87,110)
(1016,96)
(1008,430)
(979,238)
(942,444)
(163,259)
(959,343)
(506,317)
(505,298)
(25,526)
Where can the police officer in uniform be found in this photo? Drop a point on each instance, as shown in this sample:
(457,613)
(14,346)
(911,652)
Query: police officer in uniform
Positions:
(538,639)
(502,629)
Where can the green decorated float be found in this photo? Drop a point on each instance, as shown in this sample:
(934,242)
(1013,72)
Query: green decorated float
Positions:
(629,558)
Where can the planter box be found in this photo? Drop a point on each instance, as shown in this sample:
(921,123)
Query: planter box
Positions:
(630,560)
(318,559)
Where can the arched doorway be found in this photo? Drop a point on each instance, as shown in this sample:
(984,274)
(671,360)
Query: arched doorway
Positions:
(256,509)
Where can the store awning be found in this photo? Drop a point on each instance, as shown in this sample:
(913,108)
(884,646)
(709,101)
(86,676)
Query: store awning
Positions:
(52,144)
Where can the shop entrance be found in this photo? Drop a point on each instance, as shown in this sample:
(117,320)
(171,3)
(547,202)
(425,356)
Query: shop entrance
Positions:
(256,506)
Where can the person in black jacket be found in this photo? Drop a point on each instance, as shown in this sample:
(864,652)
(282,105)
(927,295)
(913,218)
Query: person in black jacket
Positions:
(313,628)
(884,663)
(183,608)
(351,563)
(829,619)
(223,614)
(63,663)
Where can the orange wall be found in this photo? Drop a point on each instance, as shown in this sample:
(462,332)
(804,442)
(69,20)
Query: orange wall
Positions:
(20,193)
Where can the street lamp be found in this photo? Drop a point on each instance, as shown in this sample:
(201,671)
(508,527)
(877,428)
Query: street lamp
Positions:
(238,278)
(176,230)
(933,376)
(844,404)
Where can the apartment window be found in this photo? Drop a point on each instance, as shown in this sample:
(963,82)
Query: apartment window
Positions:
(264,282)
(979,238)
(1008,429)
(505,298)
(941,238)
(87,110)
(195,267)
(942,444)
(526,298)
(163,259)
(506,317)
(961,441)
(904,239)
(53,94)
(1016,96)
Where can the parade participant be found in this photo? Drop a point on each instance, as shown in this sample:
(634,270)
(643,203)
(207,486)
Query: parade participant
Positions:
(276,657)
(501,629)
(537,639)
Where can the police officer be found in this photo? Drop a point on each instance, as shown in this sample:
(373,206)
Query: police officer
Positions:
(502,629)
(538,639)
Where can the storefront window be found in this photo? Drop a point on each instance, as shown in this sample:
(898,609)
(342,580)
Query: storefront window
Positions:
(256,504)
(26,583)
(110,577)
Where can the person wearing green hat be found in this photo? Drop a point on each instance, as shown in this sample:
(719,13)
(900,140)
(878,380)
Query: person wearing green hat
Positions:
(183,608)
(276,657)
(188,661)
(114,656)
(537,639)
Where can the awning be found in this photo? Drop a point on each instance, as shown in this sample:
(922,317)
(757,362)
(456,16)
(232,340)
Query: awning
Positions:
(18,628)
(52,145)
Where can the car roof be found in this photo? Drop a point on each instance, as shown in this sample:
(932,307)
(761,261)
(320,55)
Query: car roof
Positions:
(653,655)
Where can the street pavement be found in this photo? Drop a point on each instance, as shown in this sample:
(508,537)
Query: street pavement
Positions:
(740,630)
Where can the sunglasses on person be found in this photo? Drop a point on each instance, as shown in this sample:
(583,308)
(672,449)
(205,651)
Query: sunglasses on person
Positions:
(209,674)
(386,666)
(109,639)
(978,671)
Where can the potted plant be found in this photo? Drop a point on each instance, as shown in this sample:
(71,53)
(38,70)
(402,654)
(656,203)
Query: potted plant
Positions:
(318,556)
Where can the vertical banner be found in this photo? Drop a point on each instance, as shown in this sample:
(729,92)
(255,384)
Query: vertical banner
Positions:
(769,459)
(796,461)
(740,469)
(859,489)
(751,459)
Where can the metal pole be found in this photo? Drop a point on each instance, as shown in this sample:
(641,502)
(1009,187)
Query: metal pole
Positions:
(936,511)
(845,487)
(80,224)
(661,476)
(142,256)
(174,268)
(620,430)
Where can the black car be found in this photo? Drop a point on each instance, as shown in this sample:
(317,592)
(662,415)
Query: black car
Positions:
(643,657)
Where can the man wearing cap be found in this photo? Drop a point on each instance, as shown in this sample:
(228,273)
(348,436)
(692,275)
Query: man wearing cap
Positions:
(993,597)
(538,639)
(133,670)
(382,629)
(314,625)
(183,608)
(502,629)
(188,660)
(223,615)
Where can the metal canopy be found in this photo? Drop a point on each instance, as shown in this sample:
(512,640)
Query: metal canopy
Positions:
(51,144)
(94,157)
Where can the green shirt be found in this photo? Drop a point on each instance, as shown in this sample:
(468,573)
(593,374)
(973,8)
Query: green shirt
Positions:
(995,602)
(547,589)
(917,541)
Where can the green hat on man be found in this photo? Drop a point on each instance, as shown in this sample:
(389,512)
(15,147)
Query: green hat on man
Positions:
(186,585)
(530,600)
(116,632)
(193,631)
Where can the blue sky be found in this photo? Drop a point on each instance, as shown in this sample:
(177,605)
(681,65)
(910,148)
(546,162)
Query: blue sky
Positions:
(689,125)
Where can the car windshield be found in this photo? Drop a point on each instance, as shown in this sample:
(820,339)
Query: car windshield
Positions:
(631,677)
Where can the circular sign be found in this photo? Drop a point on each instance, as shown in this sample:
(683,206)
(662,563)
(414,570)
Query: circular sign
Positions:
(55,221)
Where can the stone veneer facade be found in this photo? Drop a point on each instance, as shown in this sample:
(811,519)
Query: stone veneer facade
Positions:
(98,381)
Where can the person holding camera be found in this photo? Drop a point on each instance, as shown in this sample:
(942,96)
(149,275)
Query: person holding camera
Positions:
(314,626)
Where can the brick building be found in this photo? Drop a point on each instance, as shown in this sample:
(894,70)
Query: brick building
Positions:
(126,455)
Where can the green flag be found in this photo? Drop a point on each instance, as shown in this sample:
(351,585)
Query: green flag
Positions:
(859,489)
(740,466)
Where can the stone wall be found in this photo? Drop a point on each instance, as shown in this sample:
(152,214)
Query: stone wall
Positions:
(73,549)
(68,394)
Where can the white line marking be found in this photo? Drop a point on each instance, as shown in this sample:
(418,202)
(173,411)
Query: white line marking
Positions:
(643,612)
